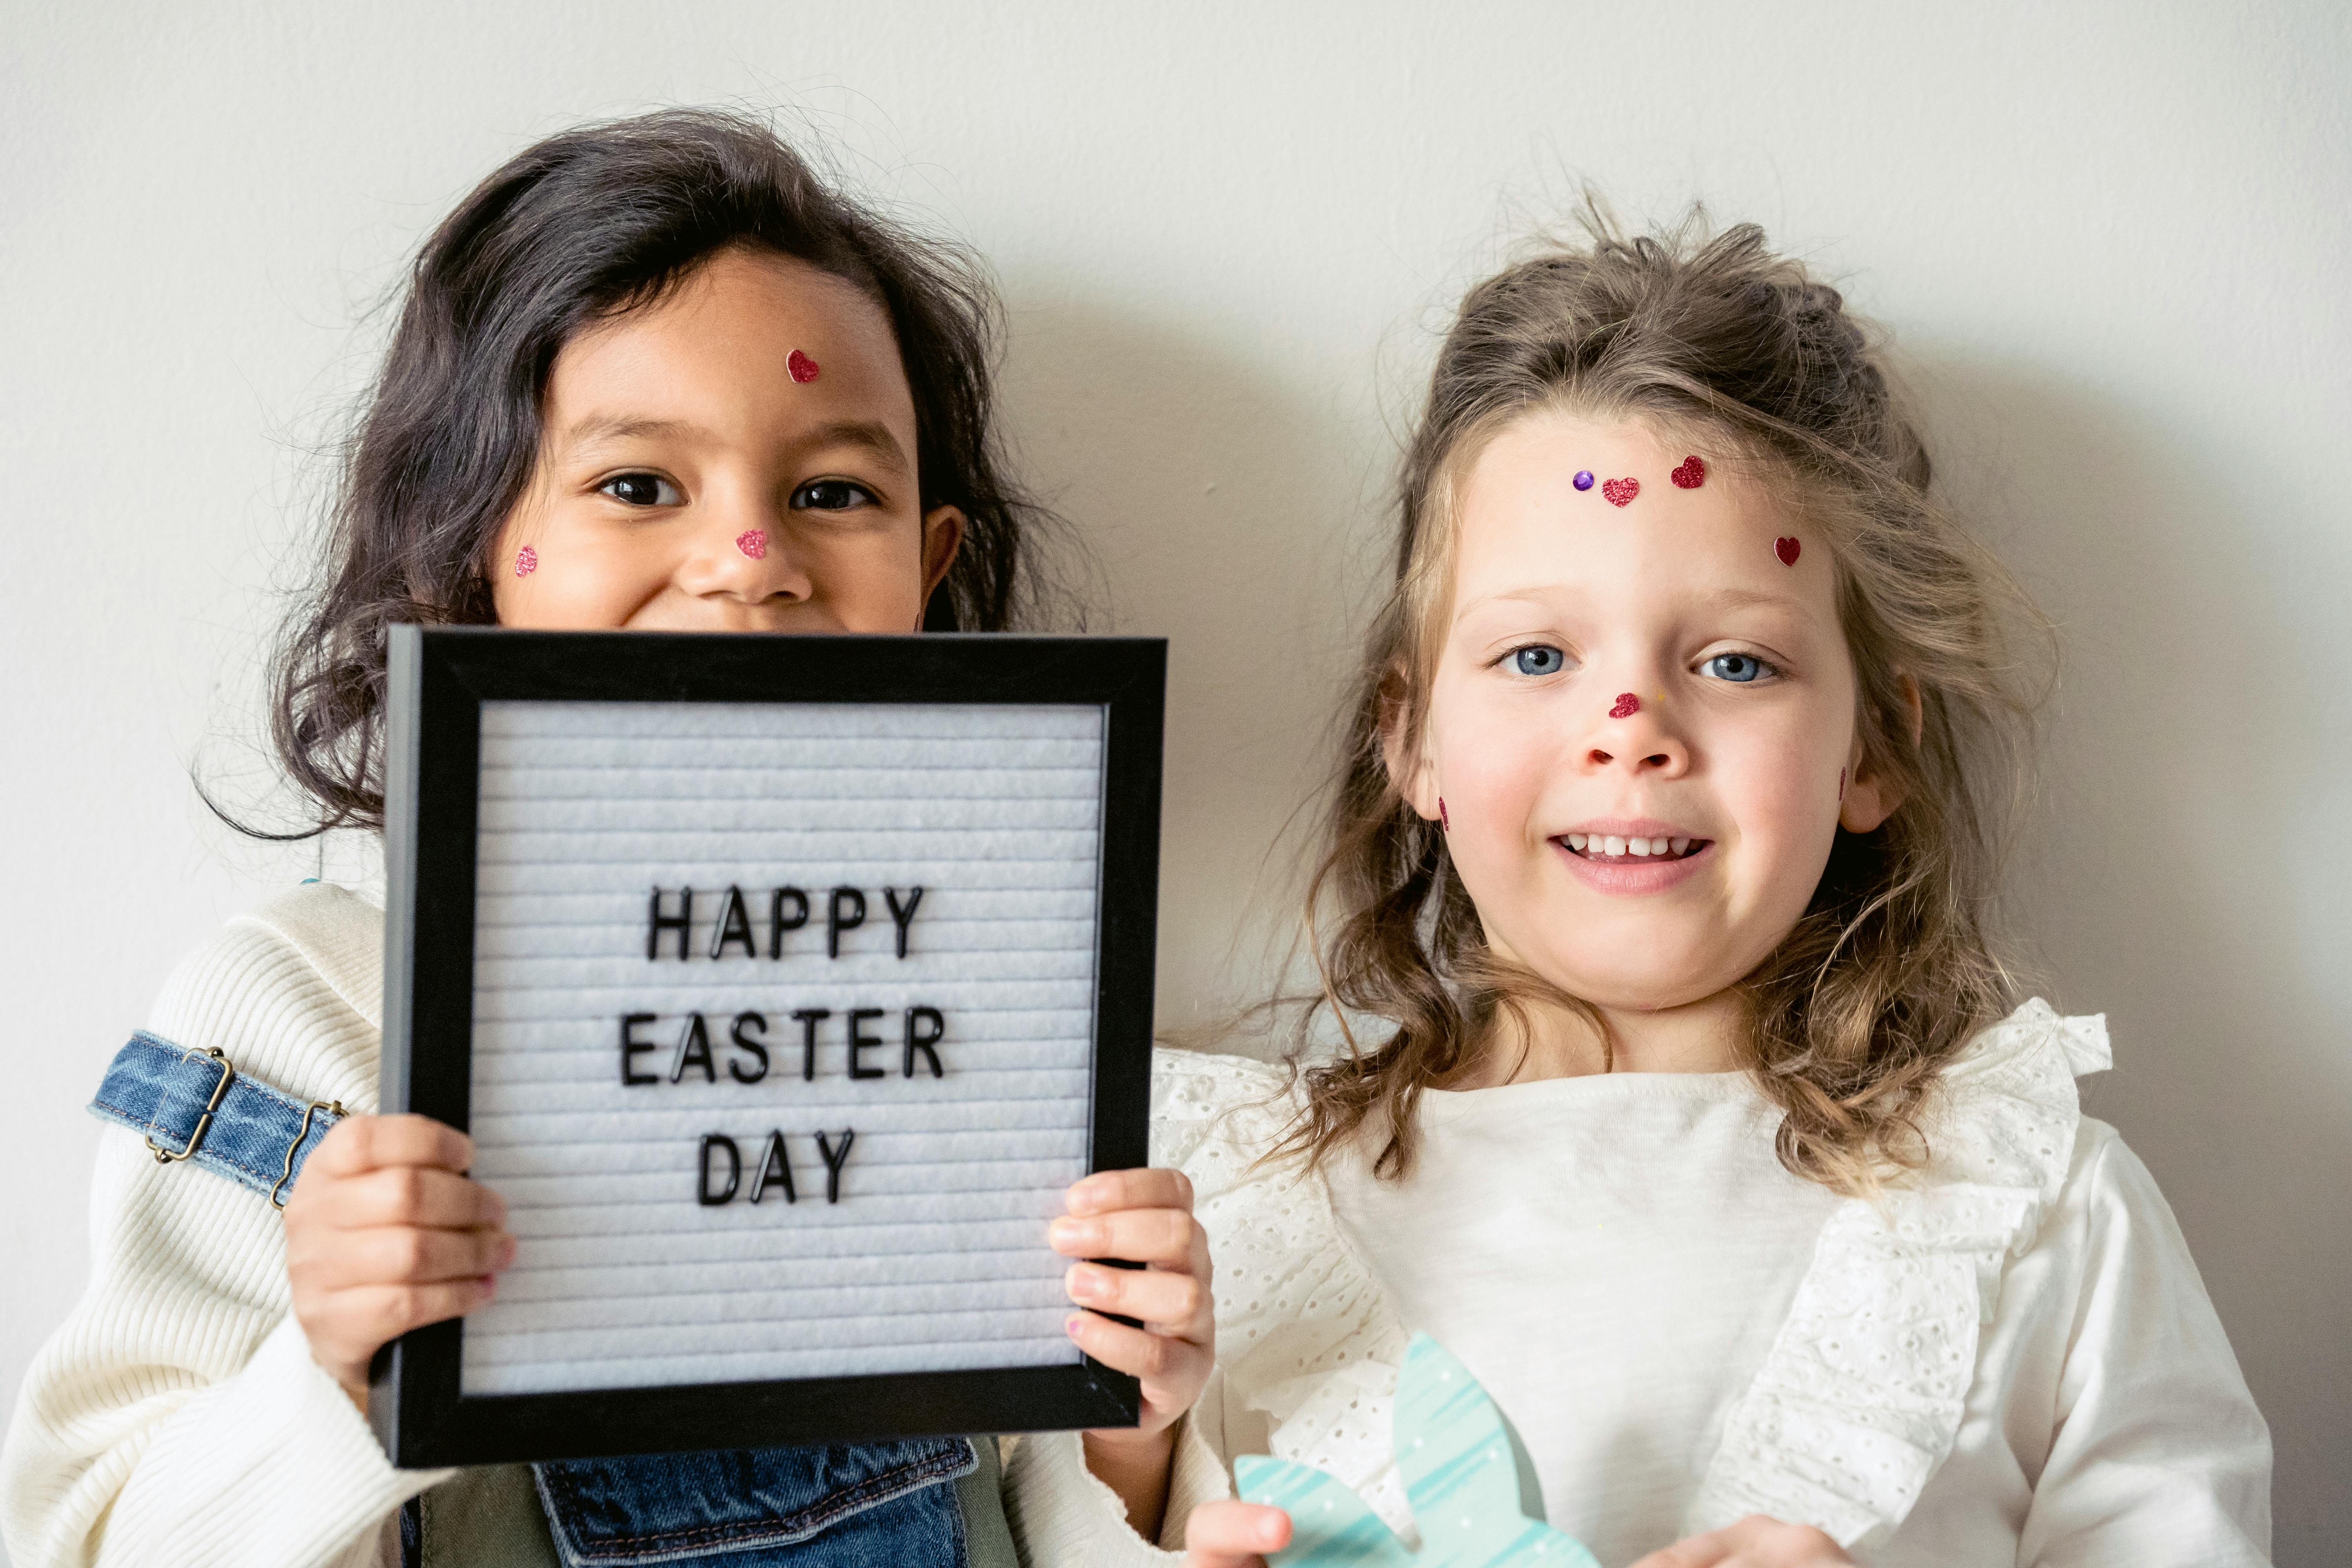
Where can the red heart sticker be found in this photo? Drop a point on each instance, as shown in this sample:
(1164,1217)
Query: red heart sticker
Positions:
(525,561)
(1690,475)
(803,367)
(1621,492)
(1786,548)
(1627,706)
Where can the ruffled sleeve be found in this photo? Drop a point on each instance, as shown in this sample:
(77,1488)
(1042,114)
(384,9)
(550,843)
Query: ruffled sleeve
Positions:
(1861,1397)
(1307,1350)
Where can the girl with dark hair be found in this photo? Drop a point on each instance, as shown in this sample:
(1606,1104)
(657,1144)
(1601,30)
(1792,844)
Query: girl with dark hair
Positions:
(650,374)
(1683,1096)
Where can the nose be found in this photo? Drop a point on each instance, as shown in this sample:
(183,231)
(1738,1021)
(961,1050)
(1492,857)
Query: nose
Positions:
(745,554)
(1634,735)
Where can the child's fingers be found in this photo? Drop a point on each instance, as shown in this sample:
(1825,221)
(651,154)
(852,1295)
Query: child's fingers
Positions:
(1757,1541)
(395,1254)
(1230,1533)
(374,1315)
(414,1195)
(1165,1238)
(1171,1370)
(359,1143)
(1155,1188)
(1164,1302)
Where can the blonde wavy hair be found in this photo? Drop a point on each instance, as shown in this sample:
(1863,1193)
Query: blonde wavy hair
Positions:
(1893,966)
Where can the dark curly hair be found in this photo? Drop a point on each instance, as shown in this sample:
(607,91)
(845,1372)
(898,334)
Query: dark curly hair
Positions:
(585,226)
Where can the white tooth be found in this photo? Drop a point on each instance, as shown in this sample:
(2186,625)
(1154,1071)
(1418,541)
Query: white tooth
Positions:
(1637,847)
(1681,845)
(1613,845)
(1576,841)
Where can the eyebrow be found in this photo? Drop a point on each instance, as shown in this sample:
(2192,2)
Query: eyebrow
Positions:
(1720,599)
(870,435)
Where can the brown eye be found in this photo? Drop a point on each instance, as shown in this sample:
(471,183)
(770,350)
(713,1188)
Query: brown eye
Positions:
(642,490)
(831,495)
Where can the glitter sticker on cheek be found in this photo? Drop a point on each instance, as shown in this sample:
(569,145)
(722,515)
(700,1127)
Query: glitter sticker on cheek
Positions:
(1627,706)
(1585,478)
(1840,783)
(1786,548)
(1690,475)
(1444,821)
(803,368)
(1620,492)
(753,542)
(525,561)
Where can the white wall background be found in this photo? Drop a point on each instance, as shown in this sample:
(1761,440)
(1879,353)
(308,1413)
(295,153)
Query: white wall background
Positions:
(2111,238)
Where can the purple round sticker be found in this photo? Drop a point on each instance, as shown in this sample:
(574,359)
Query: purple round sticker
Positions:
(1585,478)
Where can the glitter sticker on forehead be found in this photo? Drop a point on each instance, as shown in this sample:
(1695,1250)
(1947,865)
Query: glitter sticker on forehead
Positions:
(753,542)
(525,561)
(1627,706)
(1690,475)
(803,368)
(1787,550)
(1620,492)
(1585,478)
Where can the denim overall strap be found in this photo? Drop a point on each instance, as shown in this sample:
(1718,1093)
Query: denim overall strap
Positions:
(864,1505)
(196,1106)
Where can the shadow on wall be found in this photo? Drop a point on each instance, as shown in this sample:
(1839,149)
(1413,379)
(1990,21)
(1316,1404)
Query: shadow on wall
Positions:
(1224,508)
(2155,883)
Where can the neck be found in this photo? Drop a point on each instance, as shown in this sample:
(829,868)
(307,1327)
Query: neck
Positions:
(1541,1041)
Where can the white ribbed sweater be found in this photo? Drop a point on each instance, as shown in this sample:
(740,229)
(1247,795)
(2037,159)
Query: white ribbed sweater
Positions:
(176,1417)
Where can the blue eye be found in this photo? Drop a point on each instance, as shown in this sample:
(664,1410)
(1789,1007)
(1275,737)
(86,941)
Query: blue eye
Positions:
(1737,667)
(831,495)
(1538,660)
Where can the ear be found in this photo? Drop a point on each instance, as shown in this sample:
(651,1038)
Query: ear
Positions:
(1408,764)
(942,537)
(1871,797)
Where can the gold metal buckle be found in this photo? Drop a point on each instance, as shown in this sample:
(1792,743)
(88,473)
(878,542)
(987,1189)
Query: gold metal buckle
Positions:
(308,1112)
(204,1123)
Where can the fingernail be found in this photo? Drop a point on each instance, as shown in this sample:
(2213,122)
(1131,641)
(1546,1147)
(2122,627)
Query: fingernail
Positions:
(1087,1195)
(1087,1284)
(1075,1235)
(489,1287)
(506,1253)
(1073,1324)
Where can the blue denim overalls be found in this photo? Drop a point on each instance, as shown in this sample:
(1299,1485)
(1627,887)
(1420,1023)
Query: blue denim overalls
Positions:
(866,1504)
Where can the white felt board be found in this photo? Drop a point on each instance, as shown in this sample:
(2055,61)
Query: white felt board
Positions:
(934,1257)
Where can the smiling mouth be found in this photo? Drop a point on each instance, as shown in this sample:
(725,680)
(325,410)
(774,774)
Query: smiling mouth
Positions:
(1609,849)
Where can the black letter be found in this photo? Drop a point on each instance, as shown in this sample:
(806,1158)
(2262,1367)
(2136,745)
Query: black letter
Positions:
(694,1049)
(678,923)
(735,1069)
(773,1167)
(890,897)
(833,1162)
(859,1042)
(631,1046)
(807,1018)
(924,1042)
(842,898)
(734,925)
(734,1166)
(777,924)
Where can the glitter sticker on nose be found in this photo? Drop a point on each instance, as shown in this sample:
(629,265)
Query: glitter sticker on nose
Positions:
(525,561)
(753,542)
(803,367)
(1627,706)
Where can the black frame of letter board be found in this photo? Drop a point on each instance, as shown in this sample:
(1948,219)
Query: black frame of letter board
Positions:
(439,678)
